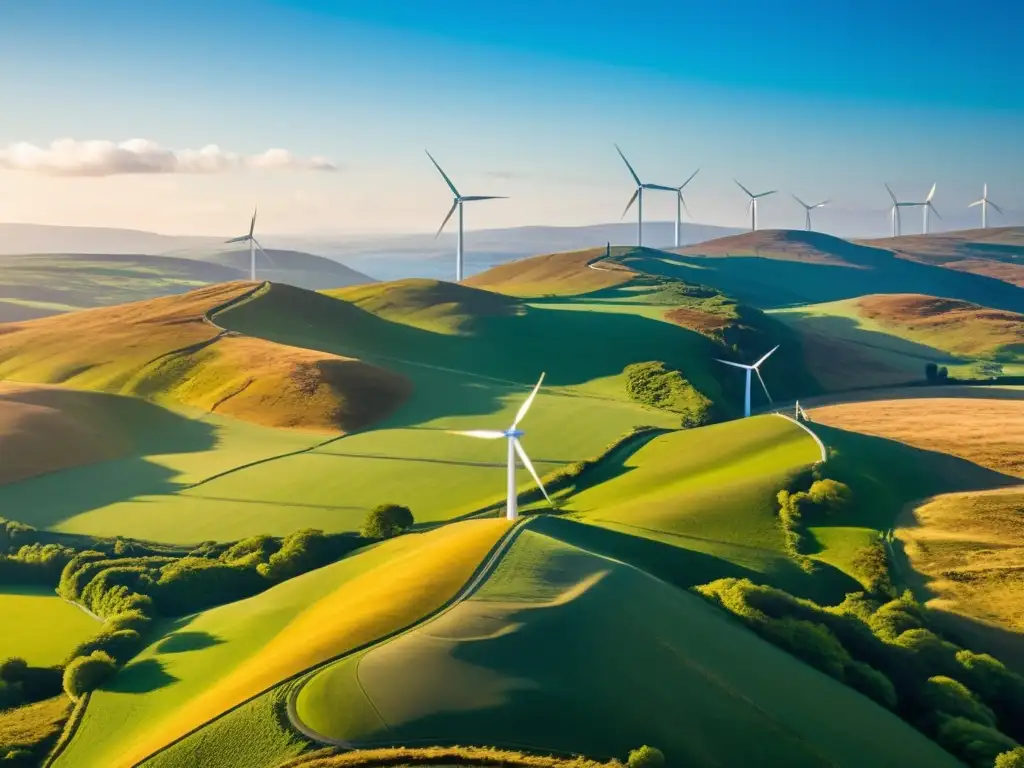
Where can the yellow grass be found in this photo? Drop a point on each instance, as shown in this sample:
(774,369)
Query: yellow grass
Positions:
(33,723)
(987,432)
(369,606)
(405,756)
(971,548)
(167,350)
(554,274)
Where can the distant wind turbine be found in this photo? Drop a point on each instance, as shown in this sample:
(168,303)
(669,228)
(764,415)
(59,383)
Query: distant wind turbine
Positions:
(457,203)
(253,245)
(638,197)
(681,203)
(985,203)
(756,368)
(808,209)
(512,434)
(752,205)
(927,205)
(897,223)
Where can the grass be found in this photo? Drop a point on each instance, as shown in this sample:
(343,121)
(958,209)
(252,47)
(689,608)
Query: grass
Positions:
(558,640)
(986,431)
(164,349)
(39,626)
(446,756)
(217,659)
(969,547)
(556,274)
(33,727)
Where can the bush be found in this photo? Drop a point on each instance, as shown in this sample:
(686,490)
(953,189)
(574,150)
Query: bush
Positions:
(12,669)
(646,757)
(977,745)
(1012,759)
(385,521)
(120,645)
(871,683)
(948,696)
(872,563)
(659,387)
(87,673)
(134,619)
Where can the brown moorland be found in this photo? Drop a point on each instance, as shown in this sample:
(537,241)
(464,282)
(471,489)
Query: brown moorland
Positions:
(788,245)
(556,274)
(956,326)
(168,350)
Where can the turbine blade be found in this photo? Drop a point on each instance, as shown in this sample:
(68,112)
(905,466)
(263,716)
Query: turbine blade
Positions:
(443,174)
(241,239)
(635,177)
(680,187)
(630,203)
(976,202)
(450,212)
(765,194)
(252,224)
(755,365)
(527,403)
(484,434)
(823,203)
(805,205)
(659,187)
(995,206)
(734,365)
(892,195)
(744,189)
(529,467)
(932,207)
(484,197)
(683,201)
(260,247)
(758,372)
(932,193)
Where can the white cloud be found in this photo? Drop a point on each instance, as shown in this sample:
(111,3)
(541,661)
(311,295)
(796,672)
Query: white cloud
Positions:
(68,157)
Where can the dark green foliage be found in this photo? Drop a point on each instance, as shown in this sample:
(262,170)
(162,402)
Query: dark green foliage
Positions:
(300,552)
(87,673)
(997,685)
(19,758)
(977,745)
(931,371)
(947,696)
(872,564)
(896,617)
(1012,759)
(194,584)
(871,683)
(14,535)
(809,498)
(12,669)
(646,757)
(654,385)
(34,564)
(254,550)
(133,619)
(120,645)
(385,521)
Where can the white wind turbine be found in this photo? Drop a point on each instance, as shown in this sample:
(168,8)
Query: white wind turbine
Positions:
(985,203)
(752,205)
(457,203)
(808,209)
(638,197)
(927,205)
(512,434)
(897,223)
(253,245)
(756,368)
(681,203)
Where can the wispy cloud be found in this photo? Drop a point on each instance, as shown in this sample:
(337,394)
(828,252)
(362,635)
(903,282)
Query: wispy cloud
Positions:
(68,157)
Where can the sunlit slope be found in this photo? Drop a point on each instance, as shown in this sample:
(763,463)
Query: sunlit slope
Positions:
(557,274)
(40,627)
(708,495)
(778,268)
(567,651)
(217,659)
(167,350)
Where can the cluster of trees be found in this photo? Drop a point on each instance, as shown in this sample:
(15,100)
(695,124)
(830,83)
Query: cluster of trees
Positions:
(936,374)
(810,498)
(659,387)
(21,683)
(386,520)
(970,703)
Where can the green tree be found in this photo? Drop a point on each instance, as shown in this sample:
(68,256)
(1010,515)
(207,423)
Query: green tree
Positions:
(1012,759)
(87,673)
(386,520)
(646,757)
(12,669)
(947,695)
(931,372)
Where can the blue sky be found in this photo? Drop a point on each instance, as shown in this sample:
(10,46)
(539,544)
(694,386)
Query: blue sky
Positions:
(523,99)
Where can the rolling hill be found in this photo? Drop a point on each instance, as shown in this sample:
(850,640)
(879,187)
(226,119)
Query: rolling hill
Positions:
(303,270)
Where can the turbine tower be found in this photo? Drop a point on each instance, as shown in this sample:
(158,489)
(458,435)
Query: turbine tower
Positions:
(897,224)
(638,197)
(457,203)
(927,205)
(752,205)
(756,368)
(808,209)
(253,245)
(681,203)
(512,434)
(985,203)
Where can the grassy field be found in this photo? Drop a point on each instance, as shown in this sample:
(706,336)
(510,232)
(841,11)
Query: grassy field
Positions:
(34,727)
(557,274)
(208,663)
(515,666)
(40,627)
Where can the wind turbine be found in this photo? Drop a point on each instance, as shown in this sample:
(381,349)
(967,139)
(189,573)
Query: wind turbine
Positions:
(809,208)
(512,434)
(985,203)
(638,197)
(897,223)
(253,245)
(927,205)
(457,203)
(752,205)
(681,203)
(756,368)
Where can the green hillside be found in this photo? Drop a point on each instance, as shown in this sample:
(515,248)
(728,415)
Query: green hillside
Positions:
(558,640)
(40,627)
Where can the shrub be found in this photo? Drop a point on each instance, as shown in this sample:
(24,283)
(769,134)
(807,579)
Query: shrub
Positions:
(977,745)
(811,642)
(896,617)
(134,619)
(12,669)
(300,552)
(871,683)
(646,757)
(120,645)
(386,520)
(659,387)
(1012,759)
(829,496)
(87,673)
(872,563)
(931,371)
(954,698)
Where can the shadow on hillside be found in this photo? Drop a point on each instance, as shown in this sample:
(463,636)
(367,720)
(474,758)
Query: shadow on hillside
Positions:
(47,500)
(915,392)
(141,677)
(181,642)
(773,283)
